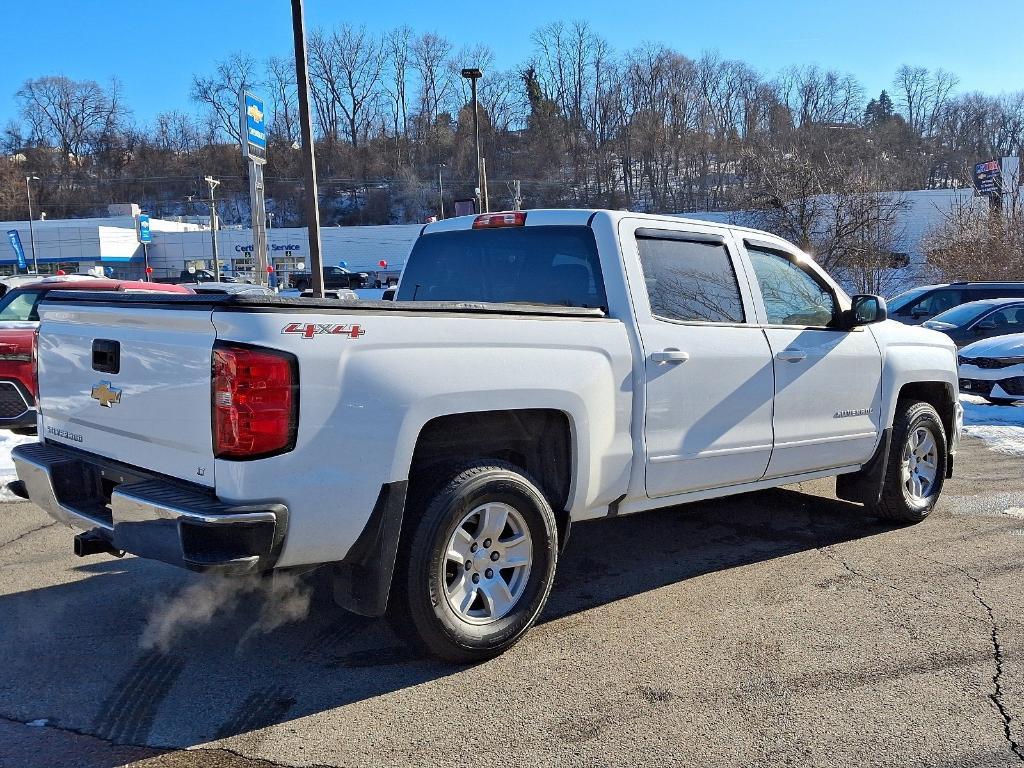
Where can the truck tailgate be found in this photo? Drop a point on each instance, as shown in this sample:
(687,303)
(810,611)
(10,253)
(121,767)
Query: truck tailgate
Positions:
(130,383)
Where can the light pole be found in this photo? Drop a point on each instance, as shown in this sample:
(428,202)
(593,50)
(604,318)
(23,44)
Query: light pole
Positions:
(473,74)
(31,229)
(270,220)
(440,189)
(316,266)
(214,183)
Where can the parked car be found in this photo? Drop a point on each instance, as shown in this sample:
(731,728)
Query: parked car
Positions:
(538,369)
(994,369)
(341,294)
(978,320)
(11,282)
(192,276)
(246,289)
(19,319)
(915,306)
(334,277)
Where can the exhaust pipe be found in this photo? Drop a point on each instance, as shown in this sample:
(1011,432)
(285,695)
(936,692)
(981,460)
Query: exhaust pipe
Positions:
(94,543)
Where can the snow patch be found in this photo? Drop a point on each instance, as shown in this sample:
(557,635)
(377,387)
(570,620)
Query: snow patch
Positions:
(1000,426)
(8,440)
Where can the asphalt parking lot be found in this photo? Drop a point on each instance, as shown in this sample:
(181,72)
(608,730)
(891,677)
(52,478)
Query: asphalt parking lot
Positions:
(776,628)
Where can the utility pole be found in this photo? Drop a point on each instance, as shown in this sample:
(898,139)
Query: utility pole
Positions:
(440,190)
(316,267)
(31,230)
(214,183)
(473,74)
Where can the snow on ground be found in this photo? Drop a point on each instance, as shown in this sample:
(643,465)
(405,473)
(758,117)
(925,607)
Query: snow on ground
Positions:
(1000,426)
(8,441)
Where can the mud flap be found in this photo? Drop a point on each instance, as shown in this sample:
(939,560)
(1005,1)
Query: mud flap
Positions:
(362,580)
(865,485)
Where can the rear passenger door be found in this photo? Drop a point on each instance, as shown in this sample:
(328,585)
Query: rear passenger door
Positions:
(827,379)
(707,367)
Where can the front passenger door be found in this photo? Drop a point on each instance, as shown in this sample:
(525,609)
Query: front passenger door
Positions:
(827,379)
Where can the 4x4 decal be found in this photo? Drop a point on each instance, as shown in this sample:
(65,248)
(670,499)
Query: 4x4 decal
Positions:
(309,330)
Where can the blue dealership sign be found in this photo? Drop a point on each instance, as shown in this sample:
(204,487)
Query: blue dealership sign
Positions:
(254,119)
(145,234)
(19,249)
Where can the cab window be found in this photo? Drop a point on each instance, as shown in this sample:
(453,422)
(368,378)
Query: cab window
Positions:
(20,305)
(792,295)
(690,281)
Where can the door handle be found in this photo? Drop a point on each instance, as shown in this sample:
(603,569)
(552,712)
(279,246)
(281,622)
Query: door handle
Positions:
(792,355)
(670,355)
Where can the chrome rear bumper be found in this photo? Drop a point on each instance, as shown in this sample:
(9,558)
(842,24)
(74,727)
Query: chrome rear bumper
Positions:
(150,516)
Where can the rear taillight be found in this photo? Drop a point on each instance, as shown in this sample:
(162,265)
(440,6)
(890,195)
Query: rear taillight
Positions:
(503,219)
(255,401)
(35,366)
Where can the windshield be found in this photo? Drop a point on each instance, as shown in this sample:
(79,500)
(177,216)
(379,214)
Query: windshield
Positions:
(901,300)
(961,315)
(20,305)
(530,265)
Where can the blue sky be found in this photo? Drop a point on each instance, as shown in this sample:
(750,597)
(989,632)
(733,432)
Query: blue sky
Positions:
(153,48)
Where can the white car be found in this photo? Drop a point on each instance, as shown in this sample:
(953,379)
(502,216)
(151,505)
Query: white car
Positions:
(537,369)
(994,369)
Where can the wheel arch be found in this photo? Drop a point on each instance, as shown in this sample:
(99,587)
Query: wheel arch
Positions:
(543,442)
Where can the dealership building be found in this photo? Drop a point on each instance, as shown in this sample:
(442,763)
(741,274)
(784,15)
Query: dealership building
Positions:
(111,245)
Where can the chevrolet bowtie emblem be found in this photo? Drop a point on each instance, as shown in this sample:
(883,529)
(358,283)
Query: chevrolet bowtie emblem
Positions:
(254,112)
(106,394)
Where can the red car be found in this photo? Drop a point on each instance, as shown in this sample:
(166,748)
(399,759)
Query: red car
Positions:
(19,319)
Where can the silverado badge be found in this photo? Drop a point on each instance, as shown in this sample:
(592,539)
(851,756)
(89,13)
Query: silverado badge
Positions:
(106,394)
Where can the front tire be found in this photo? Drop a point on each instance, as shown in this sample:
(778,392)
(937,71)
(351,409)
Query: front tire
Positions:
(916,467)
(476,563)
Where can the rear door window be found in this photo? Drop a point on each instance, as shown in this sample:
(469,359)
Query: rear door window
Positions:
(556,265)
(690,281)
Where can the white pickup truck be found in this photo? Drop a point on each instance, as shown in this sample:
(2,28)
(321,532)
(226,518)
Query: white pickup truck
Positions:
(538,369)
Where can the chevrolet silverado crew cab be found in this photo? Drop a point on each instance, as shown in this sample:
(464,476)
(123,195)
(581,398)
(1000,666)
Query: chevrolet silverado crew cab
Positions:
(537,369)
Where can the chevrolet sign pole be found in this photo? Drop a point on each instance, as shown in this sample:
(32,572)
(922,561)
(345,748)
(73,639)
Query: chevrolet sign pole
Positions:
(253,122)
(316,267)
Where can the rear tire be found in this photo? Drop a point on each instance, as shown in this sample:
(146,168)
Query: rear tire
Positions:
(916,467)
(477,605)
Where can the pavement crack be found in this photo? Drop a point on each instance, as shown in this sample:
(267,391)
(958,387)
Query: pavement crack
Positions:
(831,555)
(996,697)
(28,533)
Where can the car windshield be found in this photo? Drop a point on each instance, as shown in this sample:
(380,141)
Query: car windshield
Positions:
(20,305)
(901,300)
(961,315)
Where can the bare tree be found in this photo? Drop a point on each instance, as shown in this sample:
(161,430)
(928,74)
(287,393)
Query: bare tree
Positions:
(220,92)
(360,59)
(280,74)
(397,44)
(69,114)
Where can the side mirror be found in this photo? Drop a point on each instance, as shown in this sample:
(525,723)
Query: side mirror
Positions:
(919,312)
(866,309)
(988,324)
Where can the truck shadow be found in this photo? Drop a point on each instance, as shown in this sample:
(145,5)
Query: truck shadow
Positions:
(76,653)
